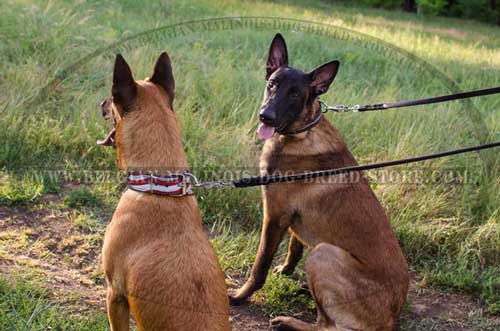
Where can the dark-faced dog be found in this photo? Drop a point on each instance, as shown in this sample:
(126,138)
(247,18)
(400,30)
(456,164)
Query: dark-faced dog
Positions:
(356,272)
(157,259)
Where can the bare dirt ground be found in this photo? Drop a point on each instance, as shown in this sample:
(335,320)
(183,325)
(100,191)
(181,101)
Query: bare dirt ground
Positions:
(46,243)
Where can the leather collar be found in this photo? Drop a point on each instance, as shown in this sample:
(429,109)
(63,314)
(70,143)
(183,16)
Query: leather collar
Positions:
(177,184)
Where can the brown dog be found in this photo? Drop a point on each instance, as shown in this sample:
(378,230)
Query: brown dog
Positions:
(356,273)
(157,259)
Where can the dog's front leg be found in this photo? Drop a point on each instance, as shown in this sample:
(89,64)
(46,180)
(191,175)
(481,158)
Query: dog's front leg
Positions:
(272,233)
(295,250)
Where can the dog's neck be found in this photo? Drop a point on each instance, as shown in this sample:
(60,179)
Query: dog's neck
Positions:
(151,141)
(320,148)
(305,118)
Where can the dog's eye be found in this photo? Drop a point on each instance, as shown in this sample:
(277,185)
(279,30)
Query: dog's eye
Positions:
(271,85)
(294,95)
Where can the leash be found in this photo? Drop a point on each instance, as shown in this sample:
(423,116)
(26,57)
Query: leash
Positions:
(409,103)
(324,107)
(266,180)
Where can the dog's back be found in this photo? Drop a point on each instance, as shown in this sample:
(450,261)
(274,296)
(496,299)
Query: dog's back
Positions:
(157,259)
(158,255)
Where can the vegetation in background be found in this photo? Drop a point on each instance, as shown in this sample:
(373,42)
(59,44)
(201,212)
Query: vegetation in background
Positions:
(482,10)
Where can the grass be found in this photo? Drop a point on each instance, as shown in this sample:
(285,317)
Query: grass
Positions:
(283,295)
(450,231)
(16,191)
(81,197)
(25,306)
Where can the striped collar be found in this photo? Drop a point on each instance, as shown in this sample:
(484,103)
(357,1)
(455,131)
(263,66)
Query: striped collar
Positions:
(177,184)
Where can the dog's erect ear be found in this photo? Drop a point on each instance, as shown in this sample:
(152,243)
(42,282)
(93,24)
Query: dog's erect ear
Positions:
(323,76)
(124,89)
(163,76)
(278,55)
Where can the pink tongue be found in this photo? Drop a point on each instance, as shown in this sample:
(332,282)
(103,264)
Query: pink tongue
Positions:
(265,131)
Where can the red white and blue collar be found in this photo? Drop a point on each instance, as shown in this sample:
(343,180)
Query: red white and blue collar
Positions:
(178,184)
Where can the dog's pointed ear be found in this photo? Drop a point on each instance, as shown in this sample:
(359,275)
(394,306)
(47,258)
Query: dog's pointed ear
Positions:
(323,76)
(278,55)
(163,76)
(124,89)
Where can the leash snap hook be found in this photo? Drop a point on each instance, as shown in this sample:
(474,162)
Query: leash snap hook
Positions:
(193,178)
(323,107)
(338,109)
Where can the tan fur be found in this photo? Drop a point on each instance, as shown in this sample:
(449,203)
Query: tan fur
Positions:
(356,272)
(157,259)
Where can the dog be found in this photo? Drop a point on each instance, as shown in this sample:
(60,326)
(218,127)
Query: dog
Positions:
(157,259)
(356,273)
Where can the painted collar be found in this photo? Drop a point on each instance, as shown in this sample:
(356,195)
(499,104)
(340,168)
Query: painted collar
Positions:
(177,184)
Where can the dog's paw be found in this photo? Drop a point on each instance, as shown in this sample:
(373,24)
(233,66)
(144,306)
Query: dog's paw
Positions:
(235,299)
(281,323)
(283,269)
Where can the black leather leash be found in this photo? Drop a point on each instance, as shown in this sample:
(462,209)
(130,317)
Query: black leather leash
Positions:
(266,180)
(324,107)
(410,103)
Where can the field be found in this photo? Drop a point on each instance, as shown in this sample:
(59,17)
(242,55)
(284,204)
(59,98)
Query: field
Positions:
(58,189)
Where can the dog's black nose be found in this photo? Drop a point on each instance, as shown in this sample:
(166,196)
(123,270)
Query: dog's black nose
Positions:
(266,116)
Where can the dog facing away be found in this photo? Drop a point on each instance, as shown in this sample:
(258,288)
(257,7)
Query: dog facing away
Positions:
(157,259)
(356,272)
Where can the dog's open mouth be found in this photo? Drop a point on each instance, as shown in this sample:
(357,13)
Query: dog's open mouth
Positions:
(265,131)
(109,140)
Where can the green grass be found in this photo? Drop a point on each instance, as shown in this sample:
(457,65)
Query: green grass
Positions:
(14,192)
(450,232)
(282,295)
(80,197)
(25,306)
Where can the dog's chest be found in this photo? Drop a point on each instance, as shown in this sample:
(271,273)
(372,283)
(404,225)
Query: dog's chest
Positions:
(278,159)
(270,160)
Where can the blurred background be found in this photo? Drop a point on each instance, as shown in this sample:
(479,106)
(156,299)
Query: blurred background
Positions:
(58,189)
(481,10)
